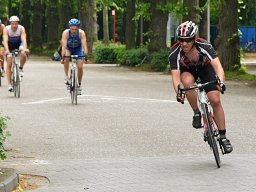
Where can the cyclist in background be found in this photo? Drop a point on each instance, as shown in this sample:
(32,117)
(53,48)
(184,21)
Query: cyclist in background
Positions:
(191,58)
(15,37)
(2,26)
(74,42)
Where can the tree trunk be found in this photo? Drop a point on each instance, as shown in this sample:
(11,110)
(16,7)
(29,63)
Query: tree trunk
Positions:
(89,21)
(65,14)
(193,11)
(37,36)
(53,38)
(26,17)
(157,27)
(228,39)
(130,25)
(105,23)
(203,21)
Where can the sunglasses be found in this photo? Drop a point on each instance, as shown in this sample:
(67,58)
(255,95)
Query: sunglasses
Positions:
(187,40)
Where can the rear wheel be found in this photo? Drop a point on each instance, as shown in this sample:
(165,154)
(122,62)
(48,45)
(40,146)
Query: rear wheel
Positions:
(211,135)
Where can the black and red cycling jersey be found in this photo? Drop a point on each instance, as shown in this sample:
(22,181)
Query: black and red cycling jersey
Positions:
(178,59)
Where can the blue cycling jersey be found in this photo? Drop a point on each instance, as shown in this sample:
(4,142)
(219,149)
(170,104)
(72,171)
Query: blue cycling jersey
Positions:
(74,42)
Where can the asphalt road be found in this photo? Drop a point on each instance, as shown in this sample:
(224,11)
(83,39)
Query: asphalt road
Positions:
(127,133)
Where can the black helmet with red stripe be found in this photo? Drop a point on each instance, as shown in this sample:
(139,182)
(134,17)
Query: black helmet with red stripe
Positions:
(187,29)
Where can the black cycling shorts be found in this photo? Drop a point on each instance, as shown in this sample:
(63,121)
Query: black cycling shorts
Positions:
(205,72)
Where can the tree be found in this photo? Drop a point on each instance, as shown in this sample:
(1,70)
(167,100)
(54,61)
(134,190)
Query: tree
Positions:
(157,26)
(203,22)
(193,11)
(53,36)
(228,39)
(26,17)
(130,25)
(37,26)
(87,15)
(66,10)
(105,22)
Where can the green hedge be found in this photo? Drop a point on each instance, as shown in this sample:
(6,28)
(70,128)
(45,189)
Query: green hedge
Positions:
(133,57)
(107,54)
(3,135)
(157,61)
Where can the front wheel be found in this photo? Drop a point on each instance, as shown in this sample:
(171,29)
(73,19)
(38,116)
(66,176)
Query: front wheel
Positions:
(73,87)
(211,134)
(16,81)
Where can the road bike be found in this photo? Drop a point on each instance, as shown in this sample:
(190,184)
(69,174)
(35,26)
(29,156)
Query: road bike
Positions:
(16,78)
(210,128)
(73,78)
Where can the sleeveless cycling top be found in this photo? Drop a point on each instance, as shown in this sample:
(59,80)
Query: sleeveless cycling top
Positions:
(178,59)
(74,42)
(14,36)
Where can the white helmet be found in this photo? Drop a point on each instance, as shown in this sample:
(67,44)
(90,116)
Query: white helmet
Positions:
(14,18)
(187,29)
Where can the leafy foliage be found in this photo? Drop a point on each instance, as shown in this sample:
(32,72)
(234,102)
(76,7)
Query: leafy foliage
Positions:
(159,61)
(107,54)
(133,57)
(3,135)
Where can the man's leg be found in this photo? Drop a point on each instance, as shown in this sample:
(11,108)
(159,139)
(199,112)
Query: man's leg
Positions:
(219,117)
(188,80)
(9,71)
(23,59)
(66,66)
(80,71)
(2,61)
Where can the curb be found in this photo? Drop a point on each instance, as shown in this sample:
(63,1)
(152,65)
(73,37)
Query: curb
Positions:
(247,63)
(9,180)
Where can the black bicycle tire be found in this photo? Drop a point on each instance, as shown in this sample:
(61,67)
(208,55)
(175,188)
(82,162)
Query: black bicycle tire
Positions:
(18,85)
(71,86)
(211,137)
(14,81)
(75,88)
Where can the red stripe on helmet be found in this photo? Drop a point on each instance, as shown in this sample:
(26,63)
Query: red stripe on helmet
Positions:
(183,31)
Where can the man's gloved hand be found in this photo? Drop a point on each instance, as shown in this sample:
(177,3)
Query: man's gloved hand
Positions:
(222,87)
(180,95)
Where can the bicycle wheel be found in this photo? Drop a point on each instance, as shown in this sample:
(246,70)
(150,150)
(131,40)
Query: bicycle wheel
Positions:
(16,81)
(73,87)
(18,84)
(211,135)
(14,76)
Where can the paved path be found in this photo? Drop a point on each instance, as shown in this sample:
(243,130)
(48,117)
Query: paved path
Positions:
(127,133)
(146,174)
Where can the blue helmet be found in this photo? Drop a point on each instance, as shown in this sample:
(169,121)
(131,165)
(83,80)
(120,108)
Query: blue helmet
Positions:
(74,22)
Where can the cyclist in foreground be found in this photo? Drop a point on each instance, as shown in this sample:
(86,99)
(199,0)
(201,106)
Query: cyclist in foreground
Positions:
(14,37)
(74,42)
(2,26)
(191,58)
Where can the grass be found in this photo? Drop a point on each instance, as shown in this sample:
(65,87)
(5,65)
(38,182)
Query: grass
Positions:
(241,75)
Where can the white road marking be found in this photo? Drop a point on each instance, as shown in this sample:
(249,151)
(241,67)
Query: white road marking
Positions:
(103,98)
